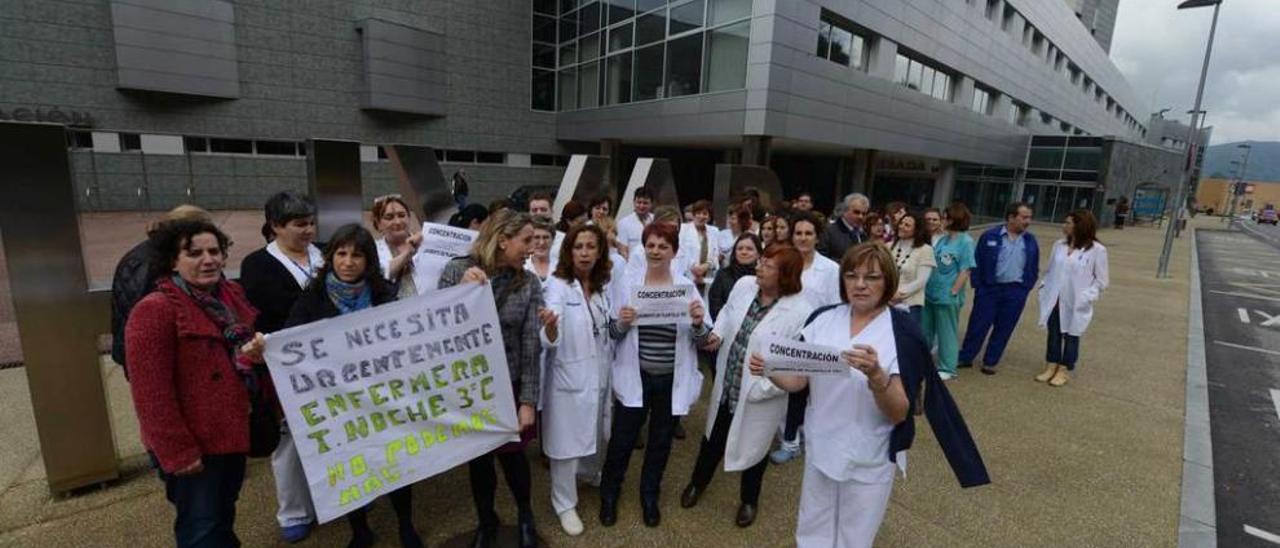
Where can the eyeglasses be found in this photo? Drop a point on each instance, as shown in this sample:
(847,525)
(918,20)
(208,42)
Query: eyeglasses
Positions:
(863,278)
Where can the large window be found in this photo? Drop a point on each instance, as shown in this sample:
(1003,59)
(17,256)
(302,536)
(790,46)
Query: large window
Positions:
(839,43)
(923,77)
(620,51)
(983,101)
(542,90)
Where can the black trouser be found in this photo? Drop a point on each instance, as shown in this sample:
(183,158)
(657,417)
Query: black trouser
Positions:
(711,453)
(484,484)
(796,402)
(401,502)
(626,428)
(206,502)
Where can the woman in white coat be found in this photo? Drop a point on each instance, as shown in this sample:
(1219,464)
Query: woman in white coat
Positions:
(821,280)
(1078,272)
(745,410)
(578,357)
(655,376)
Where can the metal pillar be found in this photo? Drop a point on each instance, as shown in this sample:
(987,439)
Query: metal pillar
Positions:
(56,315)
(333,177)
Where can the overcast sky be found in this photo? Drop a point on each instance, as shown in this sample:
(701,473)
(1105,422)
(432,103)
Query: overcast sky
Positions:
(1160,49)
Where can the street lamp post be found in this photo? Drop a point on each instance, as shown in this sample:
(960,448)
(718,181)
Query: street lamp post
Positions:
(1163,270)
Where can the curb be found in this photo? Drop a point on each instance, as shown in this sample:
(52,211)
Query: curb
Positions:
(1197,520)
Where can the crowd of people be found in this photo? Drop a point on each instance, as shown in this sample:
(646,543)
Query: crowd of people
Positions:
(885,286)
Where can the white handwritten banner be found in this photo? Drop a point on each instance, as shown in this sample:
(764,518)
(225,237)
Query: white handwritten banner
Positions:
(662,305)
(388,396)
(792,357)
(440,243)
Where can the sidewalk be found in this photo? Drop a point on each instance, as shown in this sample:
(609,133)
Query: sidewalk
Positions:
(1095,463)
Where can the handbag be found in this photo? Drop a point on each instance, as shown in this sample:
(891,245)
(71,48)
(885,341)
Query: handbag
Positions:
(264,417)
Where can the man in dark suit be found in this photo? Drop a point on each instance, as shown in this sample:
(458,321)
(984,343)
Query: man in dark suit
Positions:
(846,230)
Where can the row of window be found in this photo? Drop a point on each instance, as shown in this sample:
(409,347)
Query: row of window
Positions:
(101,141)
(588,53)
(842,41)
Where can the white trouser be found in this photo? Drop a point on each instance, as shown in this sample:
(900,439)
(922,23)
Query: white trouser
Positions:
(839,514)
(292,491)
(564,484)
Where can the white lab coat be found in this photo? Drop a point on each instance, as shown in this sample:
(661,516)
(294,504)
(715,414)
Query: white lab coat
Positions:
(821,282)
(687,382)
(630,232)
(690,245)
(576,372)
(1073,283)
(761,404)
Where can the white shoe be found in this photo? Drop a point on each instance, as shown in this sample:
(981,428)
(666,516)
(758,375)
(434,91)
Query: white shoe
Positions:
(945,376)
(571,523)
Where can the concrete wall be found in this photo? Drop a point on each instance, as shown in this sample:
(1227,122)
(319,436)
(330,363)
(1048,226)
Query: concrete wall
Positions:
(300,76)
(1127,165)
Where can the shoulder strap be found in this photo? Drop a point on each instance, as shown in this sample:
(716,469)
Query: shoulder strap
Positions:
(818,312)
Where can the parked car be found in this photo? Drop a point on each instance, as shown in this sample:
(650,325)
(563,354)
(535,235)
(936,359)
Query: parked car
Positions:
(1268,215)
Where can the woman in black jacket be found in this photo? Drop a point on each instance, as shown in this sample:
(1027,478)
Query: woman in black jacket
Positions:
(273,277)
(742,262)
(350,281)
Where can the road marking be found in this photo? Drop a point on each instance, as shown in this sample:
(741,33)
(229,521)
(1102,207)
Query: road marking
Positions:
(1268,320)
(1245,295)
(1243,347)
(1244,315)
(1275,399)
(1262,534)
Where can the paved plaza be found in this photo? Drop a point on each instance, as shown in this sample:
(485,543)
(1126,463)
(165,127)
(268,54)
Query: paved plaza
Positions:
(1095,463)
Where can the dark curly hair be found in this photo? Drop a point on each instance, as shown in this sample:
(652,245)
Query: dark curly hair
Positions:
(169,238)
(599,275)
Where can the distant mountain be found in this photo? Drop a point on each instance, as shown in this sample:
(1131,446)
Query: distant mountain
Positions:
(1264,160)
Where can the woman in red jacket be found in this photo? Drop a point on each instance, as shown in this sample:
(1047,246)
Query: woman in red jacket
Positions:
(195,364)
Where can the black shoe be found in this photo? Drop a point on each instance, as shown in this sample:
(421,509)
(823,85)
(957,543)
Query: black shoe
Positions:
(689,498)
(409,538)
(528,533)
(746,515)
(678,430)
(652,517)
(964,365)
(608,511)
(988,370)
(486,536)
(361,539)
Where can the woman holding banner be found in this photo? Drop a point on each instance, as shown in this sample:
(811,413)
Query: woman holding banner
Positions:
(191,344)
(398,243)
(859,421)
(576,397)
(273,277)
(655,375)
(351,281)
(746,409)
(497,257)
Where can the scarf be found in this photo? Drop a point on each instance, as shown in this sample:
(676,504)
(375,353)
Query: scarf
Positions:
(234,333)
(739,269)
(348,297)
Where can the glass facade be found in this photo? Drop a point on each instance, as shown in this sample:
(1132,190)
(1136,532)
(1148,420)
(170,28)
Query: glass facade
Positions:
(985,189)
(1063,174)
(610,52)
(922,77)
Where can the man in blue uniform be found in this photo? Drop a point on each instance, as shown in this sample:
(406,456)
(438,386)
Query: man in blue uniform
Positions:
(1008,262)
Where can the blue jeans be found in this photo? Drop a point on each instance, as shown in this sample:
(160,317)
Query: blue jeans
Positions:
(996,310)
(206,502)
(917,314)
(1063,348)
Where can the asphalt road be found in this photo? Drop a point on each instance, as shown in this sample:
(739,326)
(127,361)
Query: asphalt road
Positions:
(1240,283)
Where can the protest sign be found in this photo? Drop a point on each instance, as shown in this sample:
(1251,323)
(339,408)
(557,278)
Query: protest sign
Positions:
(385,397)
(662,305)
(791,357)
(440,243)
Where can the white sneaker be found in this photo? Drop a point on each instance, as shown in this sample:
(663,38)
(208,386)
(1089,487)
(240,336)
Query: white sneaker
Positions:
(945,376)
(571,523)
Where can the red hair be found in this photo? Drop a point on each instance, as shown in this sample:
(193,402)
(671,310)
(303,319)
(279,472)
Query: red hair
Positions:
(790,267)
(667,231)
